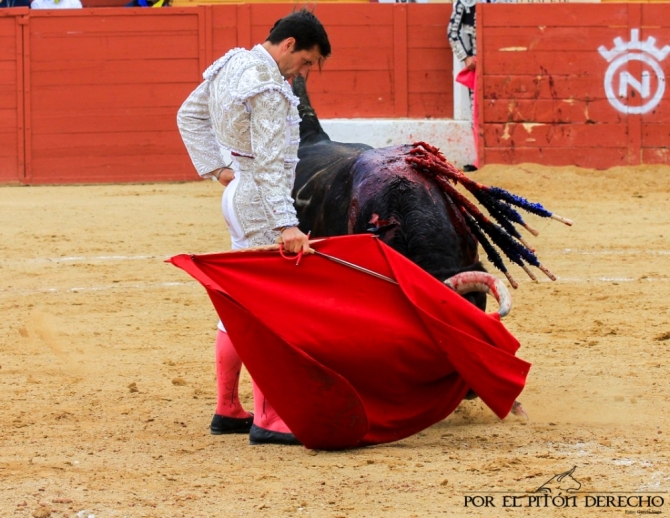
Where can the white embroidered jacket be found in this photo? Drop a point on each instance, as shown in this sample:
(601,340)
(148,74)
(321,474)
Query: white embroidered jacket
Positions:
(246,107)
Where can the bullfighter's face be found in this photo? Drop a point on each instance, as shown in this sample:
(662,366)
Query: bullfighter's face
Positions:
(294,63)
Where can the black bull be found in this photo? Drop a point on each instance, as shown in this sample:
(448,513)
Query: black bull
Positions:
(353,188)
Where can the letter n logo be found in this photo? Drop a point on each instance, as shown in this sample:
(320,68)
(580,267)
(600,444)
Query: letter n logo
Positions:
(634,93)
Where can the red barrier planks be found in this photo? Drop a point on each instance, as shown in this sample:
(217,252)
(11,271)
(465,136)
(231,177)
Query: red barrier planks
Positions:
(583,87)
(516,135)
(556,15)
(106,87)
(134,71)
(224,29)
(172,165)
(429,62)
(656,155)
(550,111)
(11,106)
(559,80)
(140,119)
(656,135)
(399,65)
(596,158)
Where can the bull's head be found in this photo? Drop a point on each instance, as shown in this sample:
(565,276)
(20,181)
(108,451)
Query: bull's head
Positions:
(462,283)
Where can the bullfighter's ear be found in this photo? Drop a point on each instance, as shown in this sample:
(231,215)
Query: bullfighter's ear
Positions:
(288,43)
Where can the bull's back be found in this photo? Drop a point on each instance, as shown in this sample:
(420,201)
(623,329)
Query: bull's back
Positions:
(414,216)
(350,188)
(322,189)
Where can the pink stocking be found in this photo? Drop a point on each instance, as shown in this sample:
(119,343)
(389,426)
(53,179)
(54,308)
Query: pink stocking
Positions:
(265,416)
(228,367)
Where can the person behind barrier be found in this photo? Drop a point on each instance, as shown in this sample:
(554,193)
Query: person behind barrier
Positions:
(56,4)
(241,127)
(14,3)
(149,3)
(462,36)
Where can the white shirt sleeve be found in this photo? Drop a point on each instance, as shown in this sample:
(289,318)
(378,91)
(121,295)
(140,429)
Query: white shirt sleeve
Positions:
(195,126)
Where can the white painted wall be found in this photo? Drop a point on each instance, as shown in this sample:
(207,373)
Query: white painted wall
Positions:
(453,137)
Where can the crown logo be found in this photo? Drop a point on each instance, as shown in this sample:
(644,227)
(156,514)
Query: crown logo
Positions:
(648,46)
(622,84)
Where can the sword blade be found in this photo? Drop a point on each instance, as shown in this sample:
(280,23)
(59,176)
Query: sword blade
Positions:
(355,267)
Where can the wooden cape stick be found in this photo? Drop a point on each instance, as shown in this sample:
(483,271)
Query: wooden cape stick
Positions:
(263,248)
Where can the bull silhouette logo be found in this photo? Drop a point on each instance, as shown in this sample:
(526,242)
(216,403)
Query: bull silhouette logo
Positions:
(649,57)
(563,483)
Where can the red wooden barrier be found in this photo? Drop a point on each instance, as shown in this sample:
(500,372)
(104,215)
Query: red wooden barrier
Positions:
(92,94)
(102,93)
(380,54)
(11,94)
(544,80)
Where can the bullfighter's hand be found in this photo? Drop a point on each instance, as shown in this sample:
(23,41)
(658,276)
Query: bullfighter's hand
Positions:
(226,176)
(471,62)
(294,240)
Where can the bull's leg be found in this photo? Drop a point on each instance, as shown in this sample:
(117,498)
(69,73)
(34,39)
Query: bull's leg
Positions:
(518,410)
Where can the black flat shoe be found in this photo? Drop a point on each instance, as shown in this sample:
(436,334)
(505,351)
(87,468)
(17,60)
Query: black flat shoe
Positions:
(469,168)
(259,435)
(222,424)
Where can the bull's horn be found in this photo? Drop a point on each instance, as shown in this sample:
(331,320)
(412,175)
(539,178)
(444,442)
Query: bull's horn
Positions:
(467,282)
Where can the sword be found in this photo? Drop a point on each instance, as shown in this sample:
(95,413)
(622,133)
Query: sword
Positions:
(355,267)
(316,252)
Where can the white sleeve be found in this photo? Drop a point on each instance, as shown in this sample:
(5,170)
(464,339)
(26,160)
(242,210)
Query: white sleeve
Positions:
(195,126)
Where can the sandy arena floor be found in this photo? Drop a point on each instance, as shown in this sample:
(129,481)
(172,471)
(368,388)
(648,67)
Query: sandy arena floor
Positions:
(107,372)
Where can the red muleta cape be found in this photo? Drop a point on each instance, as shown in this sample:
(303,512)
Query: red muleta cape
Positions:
(348,359)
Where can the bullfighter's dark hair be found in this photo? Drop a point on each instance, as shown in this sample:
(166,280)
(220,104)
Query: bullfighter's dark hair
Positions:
(498,202)
(305,27)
